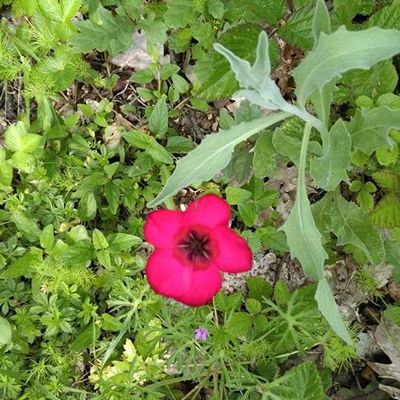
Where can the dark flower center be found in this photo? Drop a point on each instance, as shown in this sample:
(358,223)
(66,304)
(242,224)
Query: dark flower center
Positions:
(196,246)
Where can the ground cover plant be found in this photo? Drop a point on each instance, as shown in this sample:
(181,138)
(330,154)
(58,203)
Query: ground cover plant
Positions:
(151,152)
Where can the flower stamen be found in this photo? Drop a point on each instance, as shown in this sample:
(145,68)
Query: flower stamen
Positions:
(196,246)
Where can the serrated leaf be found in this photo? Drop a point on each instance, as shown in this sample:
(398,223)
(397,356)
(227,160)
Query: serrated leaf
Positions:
(386,213)
(388,180)
(298,29)
(255,10)
(342,51)
(365,200)
(387,156)
(350,225)
(158,121)
(108,33)
(330,169)
(370,129)
(212,155)
(13,134)
(387,17)
(6,174)
(23,161)
(379,79)
(236,195)
(345,10)
(238,324)
(299,383)
(259,288)
(273,239)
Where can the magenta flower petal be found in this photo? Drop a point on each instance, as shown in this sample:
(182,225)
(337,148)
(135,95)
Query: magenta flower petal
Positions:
(205,284)
(166,275)
(209,210)
(234,253)
(191,248)
(161,226)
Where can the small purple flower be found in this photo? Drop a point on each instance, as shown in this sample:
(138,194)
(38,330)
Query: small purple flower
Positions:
(201,334)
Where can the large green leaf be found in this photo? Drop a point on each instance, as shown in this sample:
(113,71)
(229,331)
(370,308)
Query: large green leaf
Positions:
(298,29)
(258,86)
(370,129)
(342,51)
(180,13)
(255,10)
(380,79)
(351,225)
(305,243)
(111,33)
(212,155)
(329,170)
(299,383)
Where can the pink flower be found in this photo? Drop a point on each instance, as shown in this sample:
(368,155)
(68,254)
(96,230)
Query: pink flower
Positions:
(191,250)
(201,334)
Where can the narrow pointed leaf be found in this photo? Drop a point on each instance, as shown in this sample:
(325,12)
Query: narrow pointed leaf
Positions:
(321,21)
(330,310)
(303,237)
(212,155)
(342,51)
(260,88)
(329,170)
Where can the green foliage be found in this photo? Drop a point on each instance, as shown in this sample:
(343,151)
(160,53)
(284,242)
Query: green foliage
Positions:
(87,145)
(350,225)
(211,156)
(109,33)
(337,50)
(329,170)
(370,129)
